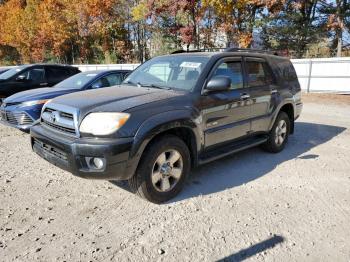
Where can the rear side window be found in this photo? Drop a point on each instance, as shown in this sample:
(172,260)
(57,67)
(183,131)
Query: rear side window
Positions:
(233,70)
(258,73)
(57,74)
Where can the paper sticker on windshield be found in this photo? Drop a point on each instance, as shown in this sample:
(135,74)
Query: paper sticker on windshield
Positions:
(190,65)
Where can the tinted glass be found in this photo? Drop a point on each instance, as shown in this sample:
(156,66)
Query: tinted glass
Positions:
(258,75)
(233,70)
(35,74)
(175,72)
(78,81)
(56,74)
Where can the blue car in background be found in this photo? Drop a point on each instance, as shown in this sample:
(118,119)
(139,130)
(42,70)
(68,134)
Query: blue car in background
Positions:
(21,110)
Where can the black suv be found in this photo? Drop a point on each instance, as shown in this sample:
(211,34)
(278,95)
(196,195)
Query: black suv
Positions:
(26,77)
(171,114)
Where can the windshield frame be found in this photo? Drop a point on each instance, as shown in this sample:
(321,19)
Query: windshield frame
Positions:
(201,59)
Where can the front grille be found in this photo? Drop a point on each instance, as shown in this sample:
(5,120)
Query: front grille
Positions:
(59,128)
(58,121)
(16,118)
(50,149)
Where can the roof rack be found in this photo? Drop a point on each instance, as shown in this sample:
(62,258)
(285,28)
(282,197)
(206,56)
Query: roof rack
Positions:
(230,49)
(214,49)
(237,49)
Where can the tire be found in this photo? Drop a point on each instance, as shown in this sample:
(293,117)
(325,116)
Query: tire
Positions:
(157,178)
(278,138)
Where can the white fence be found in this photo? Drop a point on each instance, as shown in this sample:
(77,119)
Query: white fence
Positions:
(315,75)
(324,74)
(84,68)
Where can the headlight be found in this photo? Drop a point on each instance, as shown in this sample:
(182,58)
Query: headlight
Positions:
(33,103)
(102,124)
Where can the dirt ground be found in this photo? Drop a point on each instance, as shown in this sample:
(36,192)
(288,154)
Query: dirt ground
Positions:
(255,206)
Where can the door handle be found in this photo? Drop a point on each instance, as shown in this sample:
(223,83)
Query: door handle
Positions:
(245,96)
(43,84)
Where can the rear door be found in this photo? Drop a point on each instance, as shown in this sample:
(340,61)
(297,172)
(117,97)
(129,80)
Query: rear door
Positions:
(260,82)
(226,114)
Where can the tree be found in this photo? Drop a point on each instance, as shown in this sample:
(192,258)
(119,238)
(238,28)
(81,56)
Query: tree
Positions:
(294,28)
(337,14)
(238,18)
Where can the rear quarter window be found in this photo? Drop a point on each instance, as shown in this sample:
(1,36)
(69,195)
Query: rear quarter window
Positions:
(57,74)
(285,70)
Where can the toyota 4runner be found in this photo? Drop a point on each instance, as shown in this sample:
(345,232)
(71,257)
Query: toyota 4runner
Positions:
(171,114)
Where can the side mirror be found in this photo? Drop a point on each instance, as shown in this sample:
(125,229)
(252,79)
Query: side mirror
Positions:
(21,78)
(218,83)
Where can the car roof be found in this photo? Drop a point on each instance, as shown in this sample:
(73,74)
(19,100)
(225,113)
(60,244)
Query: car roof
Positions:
(231,52)
(106,71)
(43,64)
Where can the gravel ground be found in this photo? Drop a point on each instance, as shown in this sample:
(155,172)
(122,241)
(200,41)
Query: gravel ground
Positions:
(293,206)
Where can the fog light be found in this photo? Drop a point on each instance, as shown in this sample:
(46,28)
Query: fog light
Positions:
(98,163)
(95,163)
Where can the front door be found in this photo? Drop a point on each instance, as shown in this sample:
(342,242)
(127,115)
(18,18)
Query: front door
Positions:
(226,114)
(30,79)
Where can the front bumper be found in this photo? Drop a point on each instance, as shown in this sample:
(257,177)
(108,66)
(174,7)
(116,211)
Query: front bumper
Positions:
(71,154)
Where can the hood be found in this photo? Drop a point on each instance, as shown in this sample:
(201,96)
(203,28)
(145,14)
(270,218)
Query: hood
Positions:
(114,99)
(38,94)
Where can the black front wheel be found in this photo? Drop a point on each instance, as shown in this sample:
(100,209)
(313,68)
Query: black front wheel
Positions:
(162,171)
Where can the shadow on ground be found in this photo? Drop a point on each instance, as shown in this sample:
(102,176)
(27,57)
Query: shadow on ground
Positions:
(254,249)
(251,164)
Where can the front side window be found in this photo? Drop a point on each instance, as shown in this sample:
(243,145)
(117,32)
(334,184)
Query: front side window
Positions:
(258,75)
(114,79)
(35,74)
(170,72)
(232,70)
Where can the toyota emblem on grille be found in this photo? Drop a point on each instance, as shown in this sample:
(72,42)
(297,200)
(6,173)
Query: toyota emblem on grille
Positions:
(54,117)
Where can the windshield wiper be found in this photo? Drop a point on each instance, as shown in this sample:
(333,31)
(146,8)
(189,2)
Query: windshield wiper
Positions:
(153,86)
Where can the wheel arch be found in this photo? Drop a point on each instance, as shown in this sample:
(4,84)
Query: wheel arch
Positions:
(180,123)
(289,109)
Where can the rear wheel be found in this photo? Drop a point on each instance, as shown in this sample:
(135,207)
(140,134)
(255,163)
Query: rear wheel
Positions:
(162,171)
(279,134)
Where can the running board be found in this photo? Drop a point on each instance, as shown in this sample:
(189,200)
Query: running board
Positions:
(231,149)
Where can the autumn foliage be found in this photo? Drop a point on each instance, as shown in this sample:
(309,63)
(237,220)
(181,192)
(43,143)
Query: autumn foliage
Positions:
(117,31)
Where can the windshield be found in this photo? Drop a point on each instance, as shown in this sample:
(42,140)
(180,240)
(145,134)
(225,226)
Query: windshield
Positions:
(13,71)
(77,81)
(169,72)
